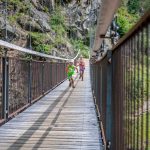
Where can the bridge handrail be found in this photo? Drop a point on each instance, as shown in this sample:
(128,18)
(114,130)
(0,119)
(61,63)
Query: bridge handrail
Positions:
(33,79)
(143,20)
(29,51)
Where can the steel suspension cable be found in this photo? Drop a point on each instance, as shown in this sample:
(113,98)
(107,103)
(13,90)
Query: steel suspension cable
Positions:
(30,29)
(6,14)
(42,48)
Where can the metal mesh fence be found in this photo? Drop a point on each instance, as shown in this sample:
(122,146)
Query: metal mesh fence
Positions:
(18,83)
(128,103)
(27,81)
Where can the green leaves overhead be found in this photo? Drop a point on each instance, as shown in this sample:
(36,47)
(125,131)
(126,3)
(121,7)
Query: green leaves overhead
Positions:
(125,20)
(130,12)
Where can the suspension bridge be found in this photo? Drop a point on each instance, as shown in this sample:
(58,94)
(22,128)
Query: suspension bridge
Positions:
(109,110)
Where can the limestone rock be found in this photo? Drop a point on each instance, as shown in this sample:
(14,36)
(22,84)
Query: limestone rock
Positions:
(25,23)
(42,19)
(5,26)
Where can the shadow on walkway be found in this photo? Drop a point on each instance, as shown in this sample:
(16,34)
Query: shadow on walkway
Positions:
(27,135)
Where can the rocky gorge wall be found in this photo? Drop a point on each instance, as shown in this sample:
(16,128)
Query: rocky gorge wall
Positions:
(48,24)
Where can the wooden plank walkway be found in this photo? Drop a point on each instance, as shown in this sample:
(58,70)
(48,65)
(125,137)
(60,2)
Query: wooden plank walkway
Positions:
(65,119)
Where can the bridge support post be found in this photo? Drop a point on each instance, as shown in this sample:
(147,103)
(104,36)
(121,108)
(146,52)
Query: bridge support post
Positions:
(30,82)
(5,92)
(109,100)
(43,90)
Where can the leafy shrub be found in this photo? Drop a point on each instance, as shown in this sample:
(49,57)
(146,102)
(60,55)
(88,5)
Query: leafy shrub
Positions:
(38,43)
(78,44)
(125,20)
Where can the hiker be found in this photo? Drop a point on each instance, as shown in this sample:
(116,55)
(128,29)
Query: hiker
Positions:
(81,67)
(70,72)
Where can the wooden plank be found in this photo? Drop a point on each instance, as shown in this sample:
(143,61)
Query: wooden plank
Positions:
(64,119)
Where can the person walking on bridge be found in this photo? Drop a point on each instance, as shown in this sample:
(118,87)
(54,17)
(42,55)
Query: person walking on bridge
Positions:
(70,72)
(81,67)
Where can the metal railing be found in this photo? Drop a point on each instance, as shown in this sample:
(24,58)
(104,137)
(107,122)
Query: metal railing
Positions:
(22,81)
(121,86)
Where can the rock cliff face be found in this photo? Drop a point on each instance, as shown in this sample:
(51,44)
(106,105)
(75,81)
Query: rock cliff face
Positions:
(47,24)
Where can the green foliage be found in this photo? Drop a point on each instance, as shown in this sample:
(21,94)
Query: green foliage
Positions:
(133,6)
(57,22)
(139,79)
(18,6)
(64,1)
(78,44)
(46,10)
(130,12)
(15,2)
(145,4)
(138,94)
(136,125)
(57,19)
(38,43)
(137,6)
(44,48)
(13,18)
(59,29)
(125,20)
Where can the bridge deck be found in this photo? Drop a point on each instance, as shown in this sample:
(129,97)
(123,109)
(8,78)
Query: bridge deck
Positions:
(63,119)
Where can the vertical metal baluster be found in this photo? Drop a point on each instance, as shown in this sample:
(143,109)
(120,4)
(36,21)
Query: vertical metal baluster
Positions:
(58,70)
(50,75)
(29,81)
(101,87)
(148,86)
(125,88)
(5,86)
(134,89)
(109,98)
(142,94)
(122,99)
(33,78)
(138,101)
(56,73)
(128,84)
(126,101)
(131,90)
(43,85)
(96,84)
